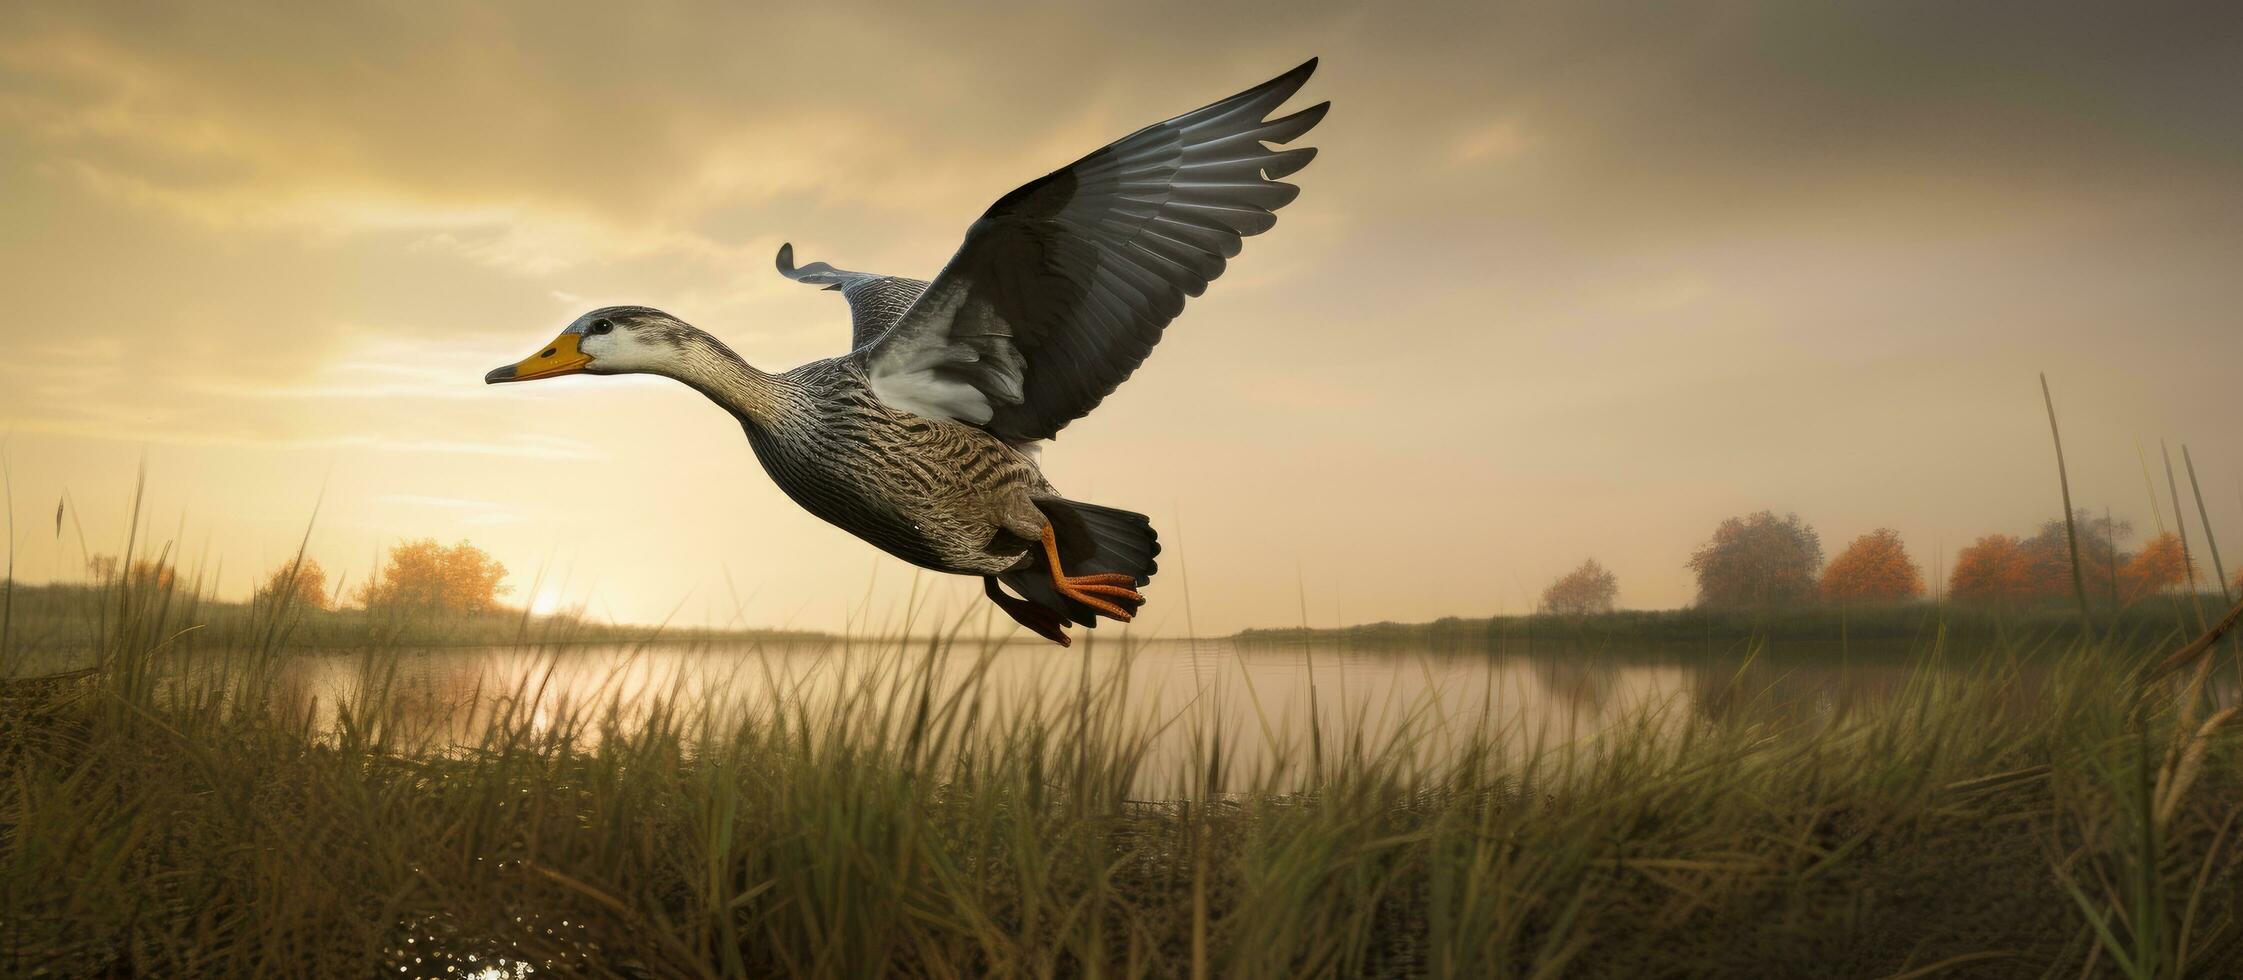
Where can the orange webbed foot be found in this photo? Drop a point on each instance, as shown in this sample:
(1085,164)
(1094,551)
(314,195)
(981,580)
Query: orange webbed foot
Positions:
(1100,591)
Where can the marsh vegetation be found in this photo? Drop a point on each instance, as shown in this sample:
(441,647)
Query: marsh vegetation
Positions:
(2009,806)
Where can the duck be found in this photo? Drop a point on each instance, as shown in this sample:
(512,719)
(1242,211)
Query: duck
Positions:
(925,438)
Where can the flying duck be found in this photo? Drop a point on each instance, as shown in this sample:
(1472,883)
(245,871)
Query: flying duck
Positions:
(923,438)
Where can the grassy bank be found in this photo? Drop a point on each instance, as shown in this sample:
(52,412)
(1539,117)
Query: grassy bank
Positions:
(177,812)
(1901,627)
(69,621)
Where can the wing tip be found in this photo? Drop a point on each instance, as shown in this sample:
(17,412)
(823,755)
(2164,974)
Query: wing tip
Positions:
(1285,163)
(1283,86)
(1288,128)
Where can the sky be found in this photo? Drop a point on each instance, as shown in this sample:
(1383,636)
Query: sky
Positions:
(1568,280)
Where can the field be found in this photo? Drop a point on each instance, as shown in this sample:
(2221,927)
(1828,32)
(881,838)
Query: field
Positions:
(2025,807)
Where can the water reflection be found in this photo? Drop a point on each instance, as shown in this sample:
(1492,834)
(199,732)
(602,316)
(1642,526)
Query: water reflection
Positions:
(1269,703)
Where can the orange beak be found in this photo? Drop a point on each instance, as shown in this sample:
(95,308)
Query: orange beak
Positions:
(558,358)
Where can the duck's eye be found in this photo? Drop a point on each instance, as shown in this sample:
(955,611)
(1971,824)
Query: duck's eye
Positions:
(603,325)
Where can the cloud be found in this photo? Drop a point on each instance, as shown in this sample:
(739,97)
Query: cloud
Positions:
(1495,141)
(525,446)
(366,393)
(373,364)
(496,152)
(530,446)
(466,511)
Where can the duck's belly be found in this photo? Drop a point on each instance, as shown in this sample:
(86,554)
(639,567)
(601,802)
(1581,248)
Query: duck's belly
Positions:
(905,486)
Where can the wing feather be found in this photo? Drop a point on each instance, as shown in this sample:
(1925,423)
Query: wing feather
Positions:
(1063,287)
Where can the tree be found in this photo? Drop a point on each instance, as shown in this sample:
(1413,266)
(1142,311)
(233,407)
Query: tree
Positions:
(1875,568)
(2048,557)
(303,584)
(424,575)
(1993,570)
(1584,591)
(149,573)
(143,573)
(1757,561)
(2160,565)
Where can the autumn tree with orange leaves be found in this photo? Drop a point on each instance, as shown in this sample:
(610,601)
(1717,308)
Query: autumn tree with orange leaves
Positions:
(425,576)
(1993,570)
(2161,565)
(303,584)
(1875,568)
(1999,569)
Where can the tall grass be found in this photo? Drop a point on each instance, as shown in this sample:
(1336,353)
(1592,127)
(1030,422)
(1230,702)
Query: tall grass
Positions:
(2180,526)
(2064,481)
(2204,514)
(182,811)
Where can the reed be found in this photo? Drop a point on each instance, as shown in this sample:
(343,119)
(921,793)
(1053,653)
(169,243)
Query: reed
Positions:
(2064,481)
(2219,568)
(2204,514)
(8,585)
(2180,526)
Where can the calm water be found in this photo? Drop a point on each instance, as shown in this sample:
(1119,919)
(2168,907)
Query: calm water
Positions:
(1262,699)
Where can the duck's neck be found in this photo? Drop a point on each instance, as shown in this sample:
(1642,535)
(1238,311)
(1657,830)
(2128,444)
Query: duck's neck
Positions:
(711,368)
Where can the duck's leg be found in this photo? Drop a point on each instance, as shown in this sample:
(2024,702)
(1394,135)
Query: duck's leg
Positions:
(1095,591)
(1044,622)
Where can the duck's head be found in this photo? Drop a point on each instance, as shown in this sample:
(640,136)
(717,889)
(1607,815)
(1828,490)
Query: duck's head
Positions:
(609,340)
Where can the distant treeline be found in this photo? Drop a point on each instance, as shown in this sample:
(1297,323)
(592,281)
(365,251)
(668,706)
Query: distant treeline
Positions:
(1902,626)
(1761,560)
(1762,571)
(1762,578)
(424,594)
(66,617)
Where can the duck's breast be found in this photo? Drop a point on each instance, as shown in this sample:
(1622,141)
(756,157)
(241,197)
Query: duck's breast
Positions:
(920,489)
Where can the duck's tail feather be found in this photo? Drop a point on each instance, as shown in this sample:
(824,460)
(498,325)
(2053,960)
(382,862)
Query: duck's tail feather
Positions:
(1093,540)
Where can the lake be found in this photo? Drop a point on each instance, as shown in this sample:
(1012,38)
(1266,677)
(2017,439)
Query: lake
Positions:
(1268,702)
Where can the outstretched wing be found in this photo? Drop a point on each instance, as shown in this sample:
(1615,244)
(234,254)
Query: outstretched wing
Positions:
(1064,285)
(875,302)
